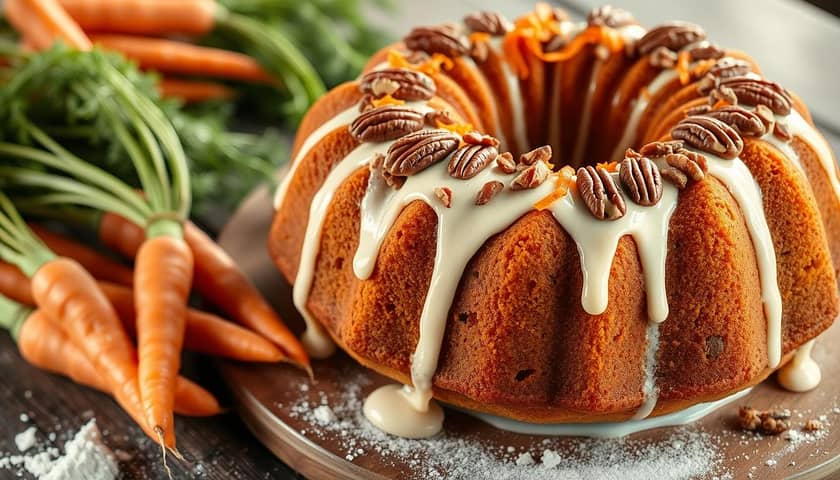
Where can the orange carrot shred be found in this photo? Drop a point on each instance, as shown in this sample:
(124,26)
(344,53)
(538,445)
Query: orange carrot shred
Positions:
(683,67)
(387,99)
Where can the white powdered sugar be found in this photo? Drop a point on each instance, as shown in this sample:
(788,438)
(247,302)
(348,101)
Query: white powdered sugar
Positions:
(686,453)
(85,456)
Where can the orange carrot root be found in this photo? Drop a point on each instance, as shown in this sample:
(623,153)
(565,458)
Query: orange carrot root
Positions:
(62,26)
(143,17)
(194,91)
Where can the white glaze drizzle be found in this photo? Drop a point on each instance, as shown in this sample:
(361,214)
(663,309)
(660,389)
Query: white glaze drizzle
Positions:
(344,118)
(608,430)
(743,187)
(597,241)
(649,389)
(801,373)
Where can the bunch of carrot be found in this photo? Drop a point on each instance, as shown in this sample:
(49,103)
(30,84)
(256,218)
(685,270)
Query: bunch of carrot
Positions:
(137,29)
(149,226)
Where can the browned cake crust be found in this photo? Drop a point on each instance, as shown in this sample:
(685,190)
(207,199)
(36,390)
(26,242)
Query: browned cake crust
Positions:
(518,342)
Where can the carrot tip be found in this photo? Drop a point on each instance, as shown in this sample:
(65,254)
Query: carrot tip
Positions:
(161,441)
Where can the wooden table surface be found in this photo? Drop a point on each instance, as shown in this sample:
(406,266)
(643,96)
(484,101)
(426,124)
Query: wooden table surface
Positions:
(221,447)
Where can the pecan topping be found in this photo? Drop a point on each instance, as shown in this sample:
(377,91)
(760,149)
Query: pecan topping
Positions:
(663,58)
(475,138)
(709,52)
(710,135)
(444,194)
(678,178)
(402,83)
(745,121)
(728,67)
(660,149)
(438,116)
(385,123)
(781,131)
(812,425)
(541,154)
(610,16)
(488,191)
(443,39)
(600,193)
(691,164)
(493,23)
(698,110)
(640,178)
(531,177)
(673,36)
(723,94)
(760,92)
(766,422)
(468,160)
(767,117)
(377,168)
(366,103)
(416,151)
(505,163)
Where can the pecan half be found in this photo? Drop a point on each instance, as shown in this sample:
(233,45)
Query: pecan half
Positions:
(600,193)
(699,110)
(709,135)
(402,83)
(640,178)
(493,23)
(468,160)
(692,164)
(377,167)
(488,191)
(505,163)
(753,91)
(531,177)
(728,67)
(444,194)
(745,121)
(767,117)
(541,154)
(475,138)
(416,151)
(673,36)
(707,52)
(722,94)
(660,149)
(609,16)
(443,39)
(673,175)
(781,131)
(385,123)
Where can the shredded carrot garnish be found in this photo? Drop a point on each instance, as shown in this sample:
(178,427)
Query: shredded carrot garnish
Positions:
(702,67)
(564,181)
(591,36)
(432,66)
(398,60)
(683,67)
(479,37)
(459,128)
(608,166)
(645,93)
(386,100)
(720,104)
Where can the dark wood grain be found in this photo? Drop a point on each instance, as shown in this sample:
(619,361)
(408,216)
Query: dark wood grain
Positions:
(219,448)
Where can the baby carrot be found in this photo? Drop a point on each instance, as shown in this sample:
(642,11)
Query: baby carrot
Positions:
(100,266)
(217,278)
(205,332)
(146,17)
(35,32)
(46,346)
(162,277)
(62,26)
(191,91)
(172,56)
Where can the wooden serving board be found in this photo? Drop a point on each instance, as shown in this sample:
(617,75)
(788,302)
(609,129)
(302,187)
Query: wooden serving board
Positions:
(269,399)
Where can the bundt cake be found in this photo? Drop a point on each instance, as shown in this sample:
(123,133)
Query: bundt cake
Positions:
(555,221)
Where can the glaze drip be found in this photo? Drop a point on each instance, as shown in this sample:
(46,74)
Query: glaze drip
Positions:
(801,373)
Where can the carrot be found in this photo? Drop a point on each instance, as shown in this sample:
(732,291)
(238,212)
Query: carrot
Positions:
(46,346)
(147,17)
(171,56)
(217,278)
(204,333)
(67,293)
(62,26)
(162,277)
(100,266)
(193,91)
(35,32)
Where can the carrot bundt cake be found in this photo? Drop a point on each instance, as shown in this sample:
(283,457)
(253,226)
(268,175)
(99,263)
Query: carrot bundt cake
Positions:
(555,221)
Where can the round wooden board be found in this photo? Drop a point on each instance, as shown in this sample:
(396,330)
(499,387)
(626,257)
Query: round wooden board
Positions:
(267,396)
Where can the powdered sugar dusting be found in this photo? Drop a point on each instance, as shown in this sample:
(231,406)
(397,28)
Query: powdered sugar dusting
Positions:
(686,453)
